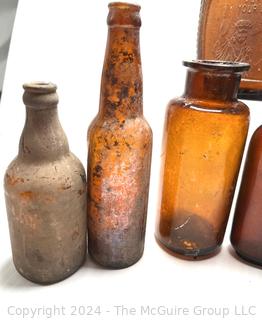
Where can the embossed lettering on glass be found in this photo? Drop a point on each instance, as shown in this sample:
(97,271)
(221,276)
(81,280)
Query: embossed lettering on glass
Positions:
(231,30)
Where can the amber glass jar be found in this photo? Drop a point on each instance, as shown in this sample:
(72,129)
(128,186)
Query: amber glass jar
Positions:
(120,142)
(204,138)
(246,235)
(232,30)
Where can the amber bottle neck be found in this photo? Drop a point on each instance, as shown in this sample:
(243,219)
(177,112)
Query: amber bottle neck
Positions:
(121,85)
(212,85)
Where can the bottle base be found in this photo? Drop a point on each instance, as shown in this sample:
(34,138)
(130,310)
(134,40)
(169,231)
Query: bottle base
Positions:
(247,258)
(114,265)
(194,254)
(50,281)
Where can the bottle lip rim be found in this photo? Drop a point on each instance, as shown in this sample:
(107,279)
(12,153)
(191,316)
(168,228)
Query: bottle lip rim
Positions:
(40,87)
(218,65)
(124,5)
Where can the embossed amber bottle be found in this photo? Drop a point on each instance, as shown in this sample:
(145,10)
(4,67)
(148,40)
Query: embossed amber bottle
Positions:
(231,30)
(120,142)
(45,190)
(204,138)
(246,235)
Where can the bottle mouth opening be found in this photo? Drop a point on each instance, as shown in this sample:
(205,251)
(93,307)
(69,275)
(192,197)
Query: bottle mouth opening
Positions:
(218,65)
(124,6)
(40,87)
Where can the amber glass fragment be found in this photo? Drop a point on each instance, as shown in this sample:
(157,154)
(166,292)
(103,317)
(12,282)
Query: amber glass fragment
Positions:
(45,192)
(120,142)
(204,138)
(246,235)
(231,30)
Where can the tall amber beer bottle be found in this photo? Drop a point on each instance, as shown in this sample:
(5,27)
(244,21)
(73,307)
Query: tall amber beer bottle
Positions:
(120,142)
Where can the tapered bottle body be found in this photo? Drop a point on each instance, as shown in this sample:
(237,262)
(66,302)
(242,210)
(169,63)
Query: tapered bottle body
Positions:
(45,190)
(120,143)
(204,138)
(246,235)
(230,30)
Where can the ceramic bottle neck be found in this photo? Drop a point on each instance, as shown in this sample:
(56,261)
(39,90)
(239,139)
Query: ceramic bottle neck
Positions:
(43,137)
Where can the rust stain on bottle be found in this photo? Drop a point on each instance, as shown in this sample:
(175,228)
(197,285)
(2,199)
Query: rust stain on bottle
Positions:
(14,180)
(26,195)
(120,143)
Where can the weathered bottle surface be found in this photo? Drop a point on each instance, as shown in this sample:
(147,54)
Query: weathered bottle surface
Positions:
(120,143)
(204,138)
(246,235)
(231,30)
(45,189)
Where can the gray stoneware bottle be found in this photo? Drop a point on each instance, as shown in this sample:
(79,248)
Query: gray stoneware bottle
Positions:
(45,191)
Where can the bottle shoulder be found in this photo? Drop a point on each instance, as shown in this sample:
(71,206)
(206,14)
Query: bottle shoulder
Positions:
(131,136)
(231,108)
(104,126)
(256,139)
(62,174)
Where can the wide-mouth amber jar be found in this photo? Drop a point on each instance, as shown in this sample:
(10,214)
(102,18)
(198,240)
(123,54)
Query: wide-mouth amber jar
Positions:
(204,137)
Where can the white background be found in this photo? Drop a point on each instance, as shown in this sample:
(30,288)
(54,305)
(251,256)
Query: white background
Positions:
(7,15)
(63,41)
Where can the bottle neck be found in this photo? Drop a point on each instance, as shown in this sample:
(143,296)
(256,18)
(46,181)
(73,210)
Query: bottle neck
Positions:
(212,85)
(121,85)
(43,137)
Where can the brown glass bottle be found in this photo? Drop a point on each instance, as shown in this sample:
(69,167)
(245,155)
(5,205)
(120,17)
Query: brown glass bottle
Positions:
(246,235)
(231,30)
(120,142)
(204,138)
(45,190)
